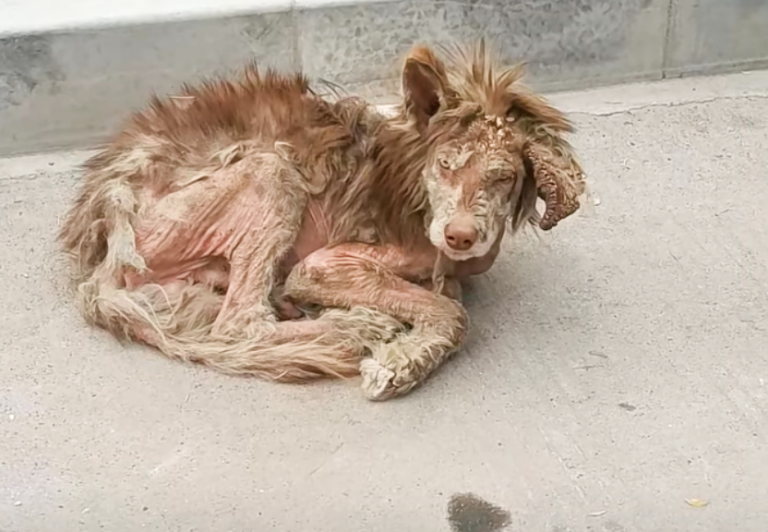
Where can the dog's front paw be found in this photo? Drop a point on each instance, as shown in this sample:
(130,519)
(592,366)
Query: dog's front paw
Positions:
(377,380)
(388,373)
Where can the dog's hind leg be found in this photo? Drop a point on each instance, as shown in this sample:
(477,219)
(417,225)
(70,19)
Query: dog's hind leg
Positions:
(272,216)
(248,214)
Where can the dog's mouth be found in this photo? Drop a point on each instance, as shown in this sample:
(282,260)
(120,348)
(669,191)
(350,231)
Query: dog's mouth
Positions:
(457,256)
(480,249)
(455,251)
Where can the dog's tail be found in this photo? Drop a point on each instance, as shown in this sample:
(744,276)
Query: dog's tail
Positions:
(178,319)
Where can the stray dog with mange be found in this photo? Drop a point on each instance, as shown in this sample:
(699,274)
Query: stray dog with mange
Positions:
(257,228)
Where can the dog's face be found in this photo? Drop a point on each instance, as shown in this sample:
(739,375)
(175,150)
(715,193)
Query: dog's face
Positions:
(492,149)
(473,179)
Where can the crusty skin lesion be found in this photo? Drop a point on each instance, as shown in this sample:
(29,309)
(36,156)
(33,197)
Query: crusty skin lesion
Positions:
(258,228)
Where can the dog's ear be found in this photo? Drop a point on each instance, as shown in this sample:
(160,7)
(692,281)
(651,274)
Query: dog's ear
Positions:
(558,178)
(549,159)
(424,84)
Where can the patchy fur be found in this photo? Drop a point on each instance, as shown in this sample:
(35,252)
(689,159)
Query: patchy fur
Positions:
(218,214)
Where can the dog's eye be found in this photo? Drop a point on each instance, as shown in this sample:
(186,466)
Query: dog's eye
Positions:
(503,177)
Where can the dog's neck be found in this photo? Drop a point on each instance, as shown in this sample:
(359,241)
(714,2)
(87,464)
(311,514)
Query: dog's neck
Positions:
(397,167)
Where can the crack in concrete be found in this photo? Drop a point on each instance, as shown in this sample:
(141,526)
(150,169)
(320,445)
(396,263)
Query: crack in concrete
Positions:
(643,107)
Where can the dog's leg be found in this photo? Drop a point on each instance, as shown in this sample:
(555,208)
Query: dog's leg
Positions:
(357,275)
(275,211)
(248,214)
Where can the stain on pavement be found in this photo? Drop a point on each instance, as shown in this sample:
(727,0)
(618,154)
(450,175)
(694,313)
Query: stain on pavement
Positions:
(469,513)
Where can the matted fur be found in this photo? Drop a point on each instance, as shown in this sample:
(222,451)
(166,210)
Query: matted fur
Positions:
(211,202)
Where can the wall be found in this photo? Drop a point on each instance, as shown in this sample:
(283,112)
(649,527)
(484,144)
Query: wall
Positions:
(69,79)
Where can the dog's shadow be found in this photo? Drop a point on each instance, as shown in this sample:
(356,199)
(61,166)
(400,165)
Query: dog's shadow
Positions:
(527,291)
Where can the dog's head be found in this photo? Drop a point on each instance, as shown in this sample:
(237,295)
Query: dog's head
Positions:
(493,147)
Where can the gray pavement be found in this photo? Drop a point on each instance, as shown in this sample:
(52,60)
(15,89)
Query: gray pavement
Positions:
(616,367)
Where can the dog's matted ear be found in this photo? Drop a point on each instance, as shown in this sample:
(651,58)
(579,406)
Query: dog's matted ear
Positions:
(424,84)
(549,159)
(559,179)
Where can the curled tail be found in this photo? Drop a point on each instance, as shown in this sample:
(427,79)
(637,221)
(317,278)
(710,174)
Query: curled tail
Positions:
(178,319)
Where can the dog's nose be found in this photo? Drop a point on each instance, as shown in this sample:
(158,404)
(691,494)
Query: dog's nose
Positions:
(461,234)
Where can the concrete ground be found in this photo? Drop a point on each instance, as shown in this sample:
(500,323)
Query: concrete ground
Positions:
(616,368)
